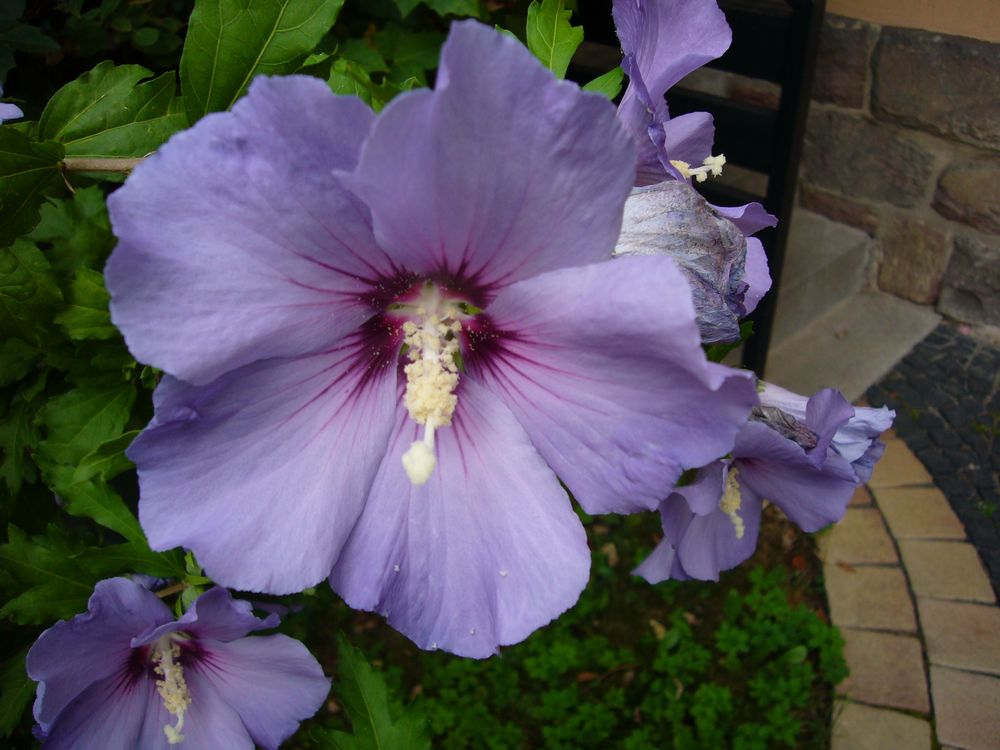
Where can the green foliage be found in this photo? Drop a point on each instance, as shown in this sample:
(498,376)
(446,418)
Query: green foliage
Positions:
(27,169)
(107,112)
(718,352)
(441,7)
(87,315)
(19,37)
(16,691)
(379,723)
(551,37)
(609,84)
(230,41)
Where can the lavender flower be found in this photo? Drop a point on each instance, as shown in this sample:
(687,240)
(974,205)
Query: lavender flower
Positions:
(386,339)
(663,41)
(9,111)
(805,455)
(125,674)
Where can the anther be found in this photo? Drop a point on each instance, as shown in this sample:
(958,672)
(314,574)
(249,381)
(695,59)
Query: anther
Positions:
(731,502)
(172,688)
(711,166)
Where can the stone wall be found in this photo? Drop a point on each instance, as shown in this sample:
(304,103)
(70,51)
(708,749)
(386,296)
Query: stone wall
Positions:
(903,142)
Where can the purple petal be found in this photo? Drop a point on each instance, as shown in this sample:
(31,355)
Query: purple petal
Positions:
(485,552)
(663,562)
(107,715)
(209,722)
(603,367)
(690,137)
(9,112)
(705,491)
(826,412)
(710,544)
(756,274)
(501,173)
(72,654)
(855,440)
(216,615)
(272,682)
(237,243)
(750,218)
(779,470)
(264,472)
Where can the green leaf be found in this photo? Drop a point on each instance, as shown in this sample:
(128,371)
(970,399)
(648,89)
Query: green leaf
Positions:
(405,7)
(412,52)
(28,292)
(550,36)
(93,499)
(609,84)
(230,41)
(718,352)
(106,461)
(364,55)
(16,692)
(350,79)
(376,723)
(454,7)
(53,585)
(17,435)
(82,419)
(107,112)
(27,170)
(87,316)
(75,232)
(16,360)
(131,557)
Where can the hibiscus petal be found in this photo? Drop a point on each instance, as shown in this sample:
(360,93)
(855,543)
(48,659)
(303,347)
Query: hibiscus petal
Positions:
(663,562)
(501,173)
(690,137)
(778,470)
(73,654)
(603,367)
(264,472)
(216,615)
(756,274)
(272,682)
(237,243)
(750,218)
(485,552)
(826,412)
(107,715)
(710,544)
(705,491)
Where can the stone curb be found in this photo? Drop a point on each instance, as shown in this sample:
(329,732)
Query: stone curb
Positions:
(919,618)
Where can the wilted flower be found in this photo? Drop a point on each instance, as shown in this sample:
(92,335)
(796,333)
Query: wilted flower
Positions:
(663,41)
(805,455)
(126,675)
(9,111)
(385,341)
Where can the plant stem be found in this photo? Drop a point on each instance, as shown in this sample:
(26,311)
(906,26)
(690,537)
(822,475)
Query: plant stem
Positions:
(169,590)
(87,164)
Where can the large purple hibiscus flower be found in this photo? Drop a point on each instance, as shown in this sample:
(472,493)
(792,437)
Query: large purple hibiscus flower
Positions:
(126,675)
(386,339)
(663,41)
(804,455)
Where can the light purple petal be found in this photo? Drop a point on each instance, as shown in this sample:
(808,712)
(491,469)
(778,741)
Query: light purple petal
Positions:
(826,412)
(501,173)
(107,715)
(756,274)
(705,490)
(750,218)
(855,439)
(710,544)
(272,682)
(9,111)
(777,469)
(662,42)
(72,654)
(689,137)
(216,615)
(663,562)
(237,243)
(264,472)
(485,552)
(603,367)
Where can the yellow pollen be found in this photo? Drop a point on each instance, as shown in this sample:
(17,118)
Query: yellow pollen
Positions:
(731,502)
(711,166)
(172,688)
(431,378)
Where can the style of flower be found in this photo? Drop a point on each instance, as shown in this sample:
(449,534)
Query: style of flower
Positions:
(126,675)
(385,339)
(9,111)
(663,41)
(806,456)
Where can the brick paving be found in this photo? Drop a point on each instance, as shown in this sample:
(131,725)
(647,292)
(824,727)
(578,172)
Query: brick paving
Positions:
(918,615)
(946,394)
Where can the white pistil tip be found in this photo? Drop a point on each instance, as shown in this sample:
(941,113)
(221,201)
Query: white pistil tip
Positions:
(419,462)
(171,686)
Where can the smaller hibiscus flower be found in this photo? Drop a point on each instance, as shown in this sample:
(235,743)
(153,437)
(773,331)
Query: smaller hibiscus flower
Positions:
(806,455)
(125,674)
